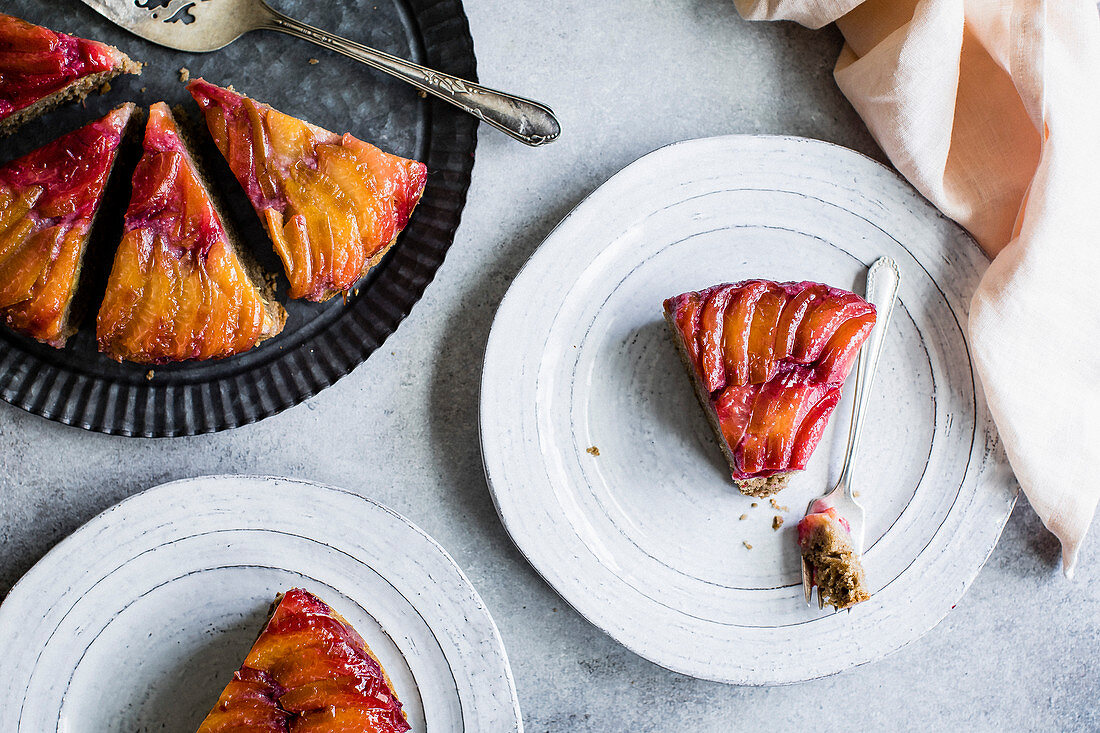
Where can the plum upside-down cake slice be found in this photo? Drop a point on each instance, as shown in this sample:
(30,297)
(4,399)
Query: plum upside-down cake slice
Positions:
(768,360)
(40,69)
(309,672)
(179,289)
(48,201)
(333,205)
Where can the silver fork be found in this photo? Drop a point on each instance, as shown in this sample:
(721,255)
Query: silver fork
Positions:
(199,26)
(883,279)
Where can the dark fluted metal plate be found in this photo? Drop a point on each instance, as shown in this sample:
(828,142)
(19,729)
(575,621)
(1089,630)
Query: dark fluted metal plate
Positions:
(321,342)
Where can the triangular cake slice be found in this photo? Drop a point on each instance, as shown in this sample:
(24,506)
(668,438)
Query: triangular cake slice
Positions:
(768,360)
(40,69)
(333,205)
(179,288)
(308,672)
(48,200)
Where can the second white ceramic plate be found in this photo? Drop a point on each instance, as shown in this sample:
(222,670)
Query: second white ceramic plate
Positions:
(649,539)
(138,620)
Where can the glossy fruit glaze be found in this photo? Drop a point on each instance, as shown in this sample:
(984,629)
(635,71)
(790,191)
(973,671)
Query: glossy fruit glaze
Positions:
(48,199)
(332,204)
(771,357)
(177,290)
(309,672)
(35,62)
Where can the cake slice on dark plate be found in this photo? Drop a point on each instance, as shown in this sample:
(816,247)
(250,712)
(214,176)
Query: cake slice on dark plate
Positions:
(333,205)
(308,672)
(767,360)
(40,69)
(48,201)
(834,564)
(180,288)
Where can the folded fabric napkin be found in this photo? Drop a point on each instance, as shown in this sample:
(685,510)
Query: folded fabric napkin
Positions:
(992,110)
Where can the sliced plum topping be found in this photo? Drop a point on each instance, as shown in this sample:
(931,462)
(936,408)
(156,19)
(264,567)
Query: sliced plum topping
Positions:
(772,356)
(331,204)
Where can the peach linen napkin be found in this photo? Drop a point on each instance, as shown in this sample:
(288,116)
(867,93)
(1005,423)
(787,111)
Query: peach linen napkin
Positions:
(991,108)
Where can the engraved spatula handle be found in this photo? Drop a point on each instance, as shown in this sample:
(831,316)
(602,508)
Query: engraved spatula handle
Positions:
(529,122)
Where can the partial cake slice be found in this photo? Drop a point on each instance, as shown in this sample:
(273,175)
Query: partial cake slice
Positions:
(48,200)
(179,288)
(40,69)
(333,205)
(826,544)
(309,672)
(768,360)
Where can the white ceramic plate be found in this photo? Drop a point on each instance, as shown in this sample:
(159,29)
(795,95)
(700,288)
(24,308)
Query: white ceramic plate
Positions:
(137,621)
(646,539)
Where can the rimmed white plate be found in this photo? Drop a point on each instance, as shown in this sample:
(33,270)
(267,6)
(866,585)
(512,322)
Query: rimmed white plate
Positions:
(137,620)
(646,539)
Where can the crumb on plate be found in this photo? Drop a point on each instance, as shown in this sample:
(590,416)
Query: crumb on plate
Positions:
(777,522)
(746,544)
(592,451)
(185,74)
(743,517)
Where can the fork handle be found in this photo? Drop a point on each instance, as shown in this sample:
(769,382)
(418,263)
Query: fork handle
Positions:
(527,121)
(883,280)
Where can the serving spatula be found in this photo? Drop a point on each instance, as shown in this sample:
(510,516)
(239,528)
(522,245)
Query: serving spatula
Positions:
(199,26)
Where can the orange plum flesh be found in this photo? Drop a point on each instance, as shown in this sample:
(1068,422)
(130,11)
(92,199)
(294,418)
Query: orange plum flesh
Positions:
(308,671)
(772,358)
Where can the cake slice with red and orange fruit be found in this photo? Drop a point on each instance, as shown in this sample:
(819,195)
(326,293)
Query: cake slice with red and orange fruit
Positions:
(179,288)
(308,672)
(48,201)
(768,360)
(332,204)
(41,68)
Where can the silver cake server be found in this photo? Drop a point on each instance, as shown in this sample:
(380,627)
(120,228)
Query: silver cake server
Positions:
(199,26)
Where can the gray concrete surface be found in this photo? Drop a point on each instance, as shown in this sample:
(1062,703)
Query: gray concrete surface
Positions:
(1018,653)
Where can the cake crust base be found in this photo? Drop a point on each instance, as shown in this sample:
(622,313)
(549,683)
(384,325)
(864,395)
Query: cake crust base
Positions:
(764,486)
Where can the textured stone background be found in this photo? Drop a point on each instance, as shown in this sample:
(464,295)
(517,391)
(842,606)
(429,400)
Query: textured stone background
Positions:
(1019,652)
